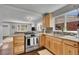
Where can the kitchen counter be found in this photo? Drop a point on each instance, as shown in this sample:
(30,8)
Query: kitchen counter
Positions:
(19,34)
(67,37)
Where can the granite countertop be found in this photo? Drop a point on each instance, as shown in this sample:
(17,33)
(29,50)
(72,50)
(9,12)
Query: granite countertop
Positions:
(73,38)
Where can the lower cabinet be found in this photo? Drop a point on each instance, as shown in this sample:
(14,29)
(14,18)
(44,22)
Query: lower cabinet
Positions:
(51,44)
(19,49)
(56,46)
(69,49)
(18,44)
(47,42)
(60,46)
(42,40)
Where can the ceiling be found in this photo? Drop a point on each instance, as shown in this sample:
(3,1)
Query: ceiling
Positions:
(73,12)
(26,12)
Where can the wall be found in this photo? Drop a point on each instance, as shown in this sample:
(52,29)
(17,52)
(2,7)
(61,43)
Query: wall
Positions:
(19,29)
(6,29)
(29,26)
(1,35)
(13,28)
(65,9)
(39,26)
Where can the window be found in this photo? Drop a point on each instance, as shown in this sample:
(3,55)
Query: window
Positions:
(59,23)
(72,20)
(68,21)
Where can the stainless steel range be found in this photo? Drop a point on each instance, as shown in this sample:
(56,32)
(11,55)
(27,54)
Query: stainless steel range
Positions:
(32,42)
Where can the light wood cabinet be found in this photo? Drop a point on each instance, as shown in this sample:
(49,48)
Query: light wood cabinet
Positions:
(42,40)
(18,44)
(56,45)
(47,20)
(18,49)
(60,46)
(47,42)
(70,48)
(51,44)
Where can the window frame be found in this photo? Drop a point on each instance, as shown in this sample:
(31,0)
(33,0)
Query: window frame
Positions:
(65,22)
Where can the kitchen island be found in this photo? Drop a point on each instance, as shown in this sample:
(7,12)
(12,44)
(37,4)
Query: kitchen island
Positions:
(18,43)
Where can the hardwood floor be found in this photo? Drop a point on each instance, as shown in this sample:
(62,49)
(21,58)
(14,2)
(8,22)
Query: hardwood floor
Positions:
(6,49)
(35,52)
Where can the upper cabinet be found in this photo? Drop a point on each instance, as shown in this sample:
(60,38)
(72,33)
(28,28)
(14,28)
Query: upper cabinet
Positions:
(21,27)
(47,19)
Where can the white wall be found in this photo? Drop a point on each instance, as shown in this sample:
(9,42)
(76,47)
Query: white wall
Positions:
(13,28)
(1,35)
(9,31)
(39,26)
(29,26)
(6,30)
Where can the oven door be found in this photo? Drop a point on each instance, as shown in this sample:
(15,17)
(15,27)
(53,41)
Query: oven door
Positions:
(30,42)
(35,40)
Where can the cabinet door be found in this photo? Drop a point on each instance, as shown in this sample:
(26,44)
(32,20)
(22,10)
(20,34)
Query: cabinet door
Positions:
(18,49)
(46,20)
(42,40)
(57,47)
(18,44)
(47,42)
(51,45)
(69,50)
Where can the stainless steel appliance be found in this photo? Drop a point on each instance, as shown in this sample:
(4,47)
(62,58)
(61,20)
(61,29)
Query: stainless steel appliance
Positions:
(32,42)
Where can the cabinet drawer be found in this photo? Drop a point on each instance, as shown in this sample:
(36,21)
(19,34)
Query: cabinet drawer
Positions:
(71,43)
(18,44)
(18,37)
(18,41)
(69,50)
(18,49)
